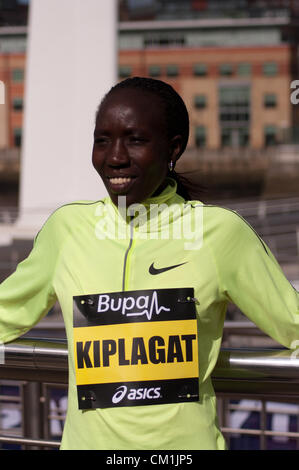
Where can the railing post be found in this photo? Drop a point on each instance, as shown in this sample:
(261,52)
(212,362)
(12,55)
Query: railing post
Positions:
(263,426)
(32,412)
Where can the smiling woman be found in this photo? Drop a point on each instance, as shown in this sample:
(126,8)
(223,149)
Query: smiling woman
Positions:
(144,305)
(133,149)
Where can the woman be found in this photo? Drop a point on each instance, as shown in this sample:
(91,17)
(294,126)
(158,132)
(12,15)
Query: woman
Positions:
(143,278)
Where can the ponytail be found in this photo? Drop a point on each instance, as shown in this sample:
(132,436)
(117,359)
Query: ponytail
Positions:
(187,189)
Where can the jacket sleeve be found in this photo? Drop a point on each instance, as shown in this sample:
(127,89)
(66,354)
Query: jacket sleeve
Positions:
(252,279)
(28,294)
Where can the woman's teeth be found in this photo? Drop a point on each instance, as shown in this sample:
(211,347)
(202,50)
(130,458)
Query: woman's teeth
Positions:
(120,180)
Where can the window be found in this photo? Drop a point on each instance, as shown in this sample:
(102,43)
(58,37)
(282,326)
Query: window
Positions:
(270,68)
(18,75)
(226,138)
(200,136)
(234,137)
(200,101)
(270,100)
(226,69)
(270,135)
(17,137)
(17,104)
(124,71)
(244,69)
(200,70)
(153,40)
(234,115)
(231,96)
(154,70)
(172,70)
(244,137)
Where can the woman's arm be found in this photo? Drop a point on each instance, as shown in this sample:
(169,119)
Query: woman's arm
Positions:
(252,279)
(27,295)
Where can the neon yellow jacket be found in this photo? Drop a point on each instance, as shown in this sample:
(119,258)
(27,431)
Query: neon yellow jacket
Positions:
(118,285)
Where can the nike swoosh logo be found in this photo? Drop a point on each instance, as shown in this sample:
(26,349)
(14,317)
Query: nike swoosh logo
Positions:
(155,271)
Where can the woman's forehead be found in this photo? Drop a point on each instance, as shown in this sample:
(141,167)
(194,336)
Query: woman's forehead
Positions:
(132,96)
(145,104)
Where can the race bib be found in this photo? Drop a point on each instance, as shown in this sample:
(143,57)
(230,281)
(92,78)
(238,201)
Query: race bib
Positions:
(136,348)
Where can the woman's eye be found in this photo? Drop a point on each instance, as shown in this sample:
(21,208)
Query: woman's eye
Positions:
(136,139)
(101,140)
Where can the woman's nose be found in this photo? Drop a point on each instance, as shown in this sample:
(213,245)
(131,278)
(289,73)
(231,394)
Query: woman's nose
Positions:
(118,153)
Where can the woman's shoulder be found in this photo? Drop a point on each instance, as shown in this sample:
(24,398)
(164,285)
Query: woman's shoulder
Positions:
(75,208)
(217,212)
(69,216)
(230,227)
(223,219)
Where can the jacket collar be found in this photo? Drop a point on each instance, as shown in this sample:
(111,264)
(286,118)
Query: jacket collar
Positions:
(152,215)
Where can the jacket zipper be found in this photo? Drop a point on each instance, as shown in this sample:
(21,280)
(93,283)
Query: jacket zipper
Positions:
(127,258)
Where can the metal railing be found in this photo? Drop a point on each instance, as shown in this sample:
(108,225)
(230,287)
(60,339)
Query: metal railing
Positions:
(258,374)
(8,215)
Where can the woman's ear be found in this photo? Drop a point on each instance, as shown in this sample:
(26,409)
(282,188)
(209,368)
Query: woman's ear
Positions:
(176,148)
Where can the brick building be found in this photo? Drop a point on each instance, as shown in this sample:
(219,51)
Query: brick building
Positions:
(235,96)
(234,75)
(12,71)
(233,63)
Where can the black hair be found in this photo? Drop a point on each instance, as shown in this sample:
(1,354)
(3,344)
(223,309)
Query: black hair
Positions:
(176,116)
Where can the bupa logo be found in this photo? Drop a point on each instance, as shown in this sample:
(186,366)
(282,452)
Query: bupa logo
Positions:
(147,305)
(136,394)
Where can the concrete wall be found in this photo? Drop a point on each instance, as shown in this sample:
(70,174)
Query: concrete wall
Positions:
(71,64)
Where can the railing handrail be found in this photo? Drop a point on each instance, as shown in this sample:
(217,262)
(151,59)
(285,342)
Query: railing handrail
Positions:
(267,374)
(250,370)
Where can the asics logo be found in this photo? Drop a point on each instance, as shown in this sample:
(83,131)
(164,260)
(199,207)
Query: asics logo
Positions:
(136,394)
